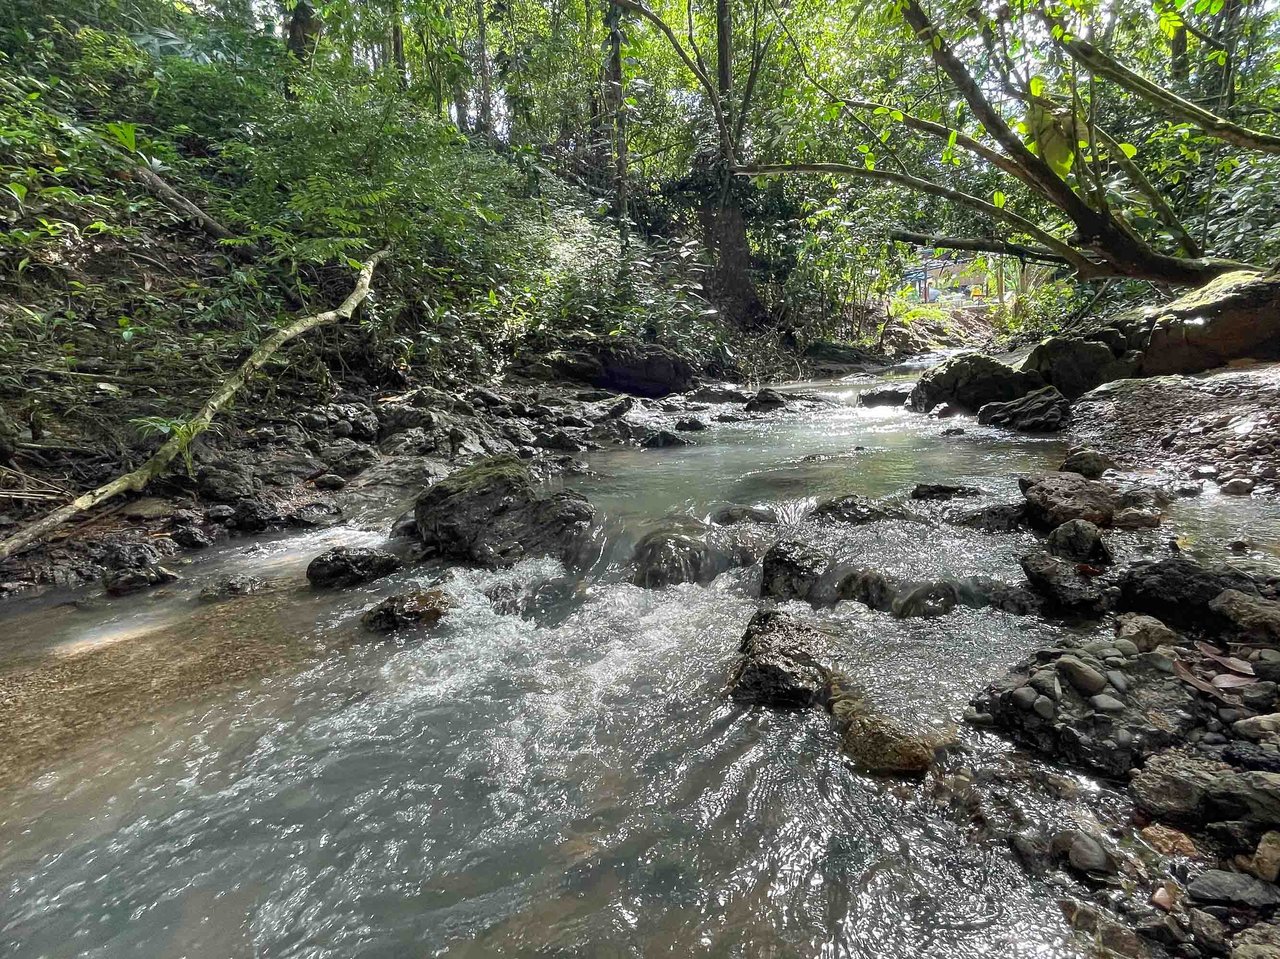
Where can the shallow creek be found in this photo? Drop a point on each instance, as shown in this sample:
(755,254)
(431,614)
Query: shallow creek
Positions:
(565,783)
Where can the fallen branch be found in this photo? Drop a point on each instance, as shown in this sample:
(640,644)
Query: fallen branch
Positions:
(173,447)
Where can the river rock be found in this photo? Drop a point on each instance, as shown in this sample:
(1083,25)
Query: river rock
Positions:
(970,382)
(687,551)
(893,394)
(731,515)
(791,570)
(1055,498)
(624,366)
(662,439)
(1040,411)
(1250,617)
(1178,590)
(1074,366)
(998,518)
(491,513)
(854,509)
(1061,583)
(407,611)
(1235,315)
(766,400)
(875,741)
(1145,632)
(239,584)
(1221,888)
(1080,541)
(121,582)
(1088,463)
(719,394)
(1174,786)
(344,566)
(942,491)
(782,663)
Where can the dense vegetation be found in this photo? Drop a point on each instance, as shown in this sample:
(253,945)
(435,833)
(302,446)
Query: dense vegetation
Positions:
(178,177)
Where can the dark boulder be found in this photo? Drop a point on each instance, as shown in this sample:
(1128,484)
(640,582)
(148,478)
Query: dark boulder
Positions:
(731,515)
(893,394)
(1040,411)
(408,611)
(970,382)
(1062,584)
(1075,366)
(766,400)
(1080,541)
(662,439)
(942,491)
(791,570)
(783,663)
(854,509)
(121,582)
(1179,591)
(1088,463)
(491,513)
(624,366)
(998,518)
(344,566)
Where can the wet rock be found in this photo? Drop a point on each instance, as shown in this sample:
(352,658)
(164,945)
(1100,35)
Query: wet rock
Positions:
(731,515)
(687,551)
(491,513)
(1000,518)
(719,394)
(766,400)
(1055,498)
(662,439)
(1075,366)
(347,457)
(970,382)
(1169,841)
(343,566)
(226,483)
(1112,938)
(893,394)
(1221,888)
(782,663)
(690,425)
(1084,852)
(1259,728)
(1061,583)
(791,570)
(191,537)
(409,611)
(1174,786)
(925,600)
(121,582)
(873,740)
(231,586)
(1249,617)
(1234,315)
(1179,591)
(1240,486)
(1265,861)
(1041,411)
(1080,541)
(854,509)
(942,491)
(329,482)
(1088,463)
(1134,518)
(1081,675)
(1261,941)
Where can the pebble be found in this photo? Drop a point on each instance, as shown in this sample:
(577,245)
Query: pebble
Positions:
(1044,707)
(1107,704)
(1118,680)
(1081,675)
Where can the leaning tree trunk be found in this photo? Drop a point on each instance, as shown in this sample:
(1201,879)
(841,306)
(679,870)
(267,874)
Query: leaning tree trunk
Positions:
(159,461)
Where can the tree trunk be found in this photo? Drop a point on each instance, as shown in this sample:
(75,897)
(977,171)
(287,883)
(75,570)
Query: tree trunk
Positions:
(485,126)
(302,31)
(617,90)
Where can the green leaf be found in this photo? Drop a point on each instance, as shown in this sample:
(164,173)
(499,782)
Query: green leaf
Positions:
(126,134)
(998,199)
(18,190)
(1129,150)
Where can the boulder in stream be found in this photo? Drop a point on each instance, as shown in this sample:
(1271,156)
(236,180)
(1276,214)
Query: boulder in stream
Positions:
(1233,316)
(344,566)
(970,382)
(891,394)
(624,365)
(1041,411)
(1075,366)
(685,550)
(1181,592)
(493,514)
(407,611)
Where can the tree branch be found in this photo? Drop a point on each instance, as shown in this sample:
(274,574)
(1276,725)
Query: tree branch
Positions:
(978,245)
(159,461)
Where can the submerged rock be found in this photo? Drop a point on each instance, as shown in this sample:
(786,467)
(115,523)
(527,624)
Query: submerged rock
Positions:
(765,400)
(731,515)
(970,382)
(942,491)
(855,509)
(491,513)
(344,566)
(407,611)
(688,551)
(791,570)
(1041,411)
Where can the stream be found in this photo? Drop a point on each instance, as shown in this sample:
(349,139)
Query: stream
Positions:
(566,782)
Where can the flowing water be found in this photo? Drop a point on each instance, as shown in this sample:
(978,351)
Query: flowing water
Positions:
(569,782)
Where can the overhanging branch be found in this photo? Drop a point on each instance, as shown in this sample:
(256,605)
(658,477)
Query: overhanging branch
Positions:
(978,245)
